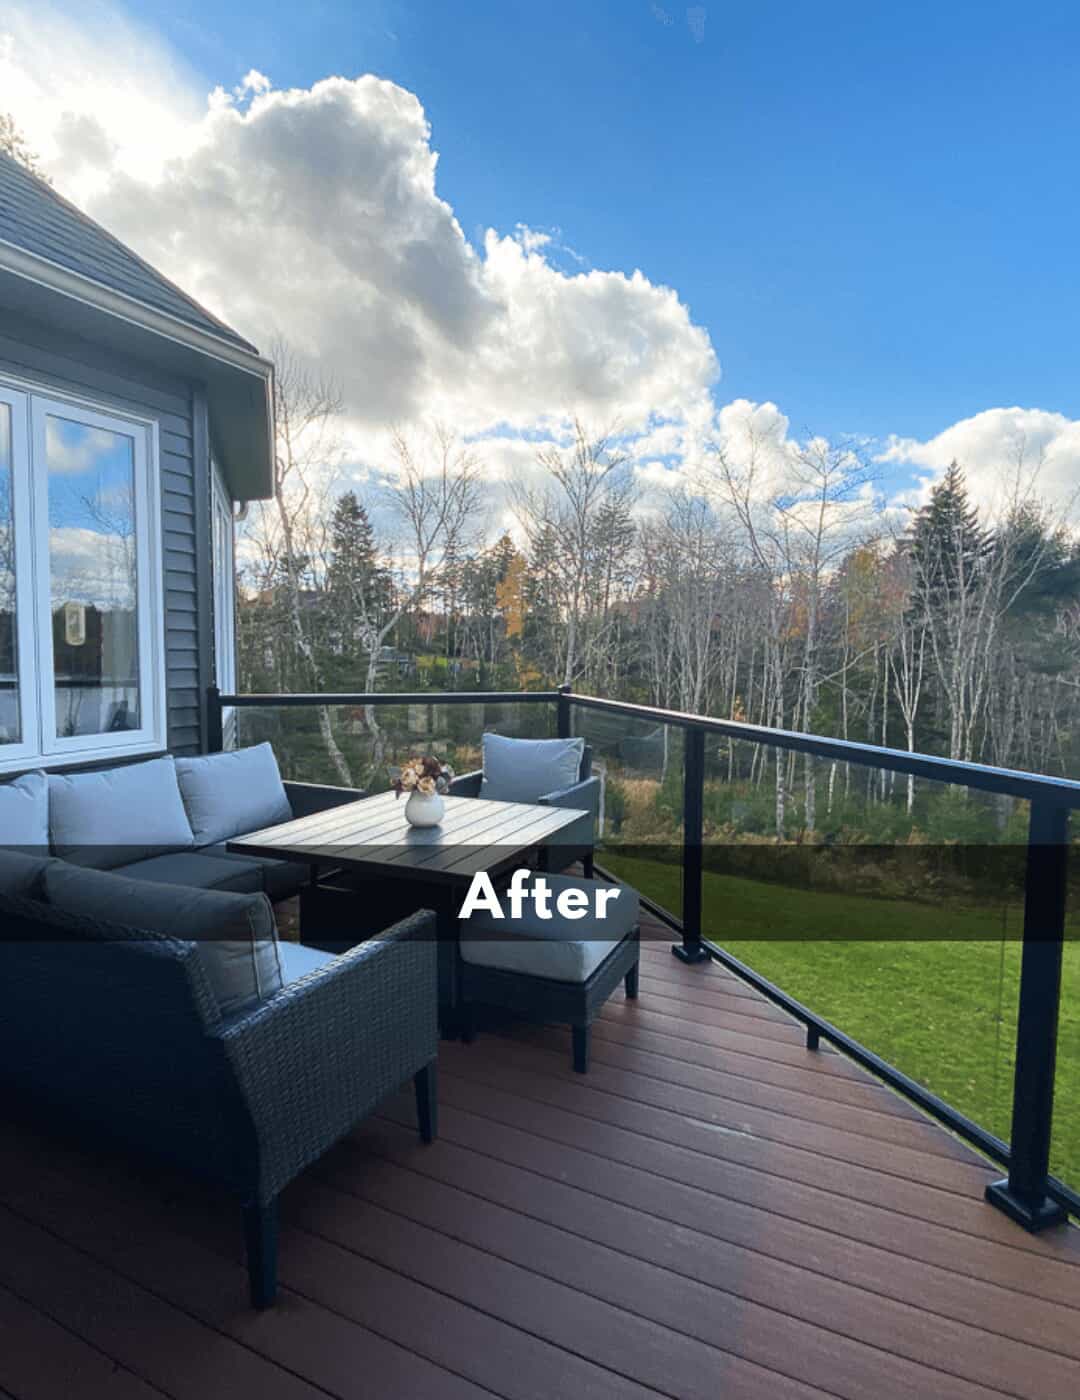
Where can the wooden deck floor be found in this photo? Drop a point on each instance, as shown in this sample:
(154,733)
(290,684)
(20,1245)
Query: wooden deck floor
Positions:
(713,1211)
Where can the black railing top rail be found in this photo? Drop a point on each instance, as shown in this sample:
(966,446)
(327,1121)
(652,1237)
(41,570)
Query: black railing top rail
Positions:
(412,697)
(1059,792)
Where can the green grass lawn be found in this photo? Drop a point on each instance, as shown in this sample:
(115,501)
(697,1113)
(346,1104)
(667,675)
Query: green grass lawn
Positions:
(942,1008)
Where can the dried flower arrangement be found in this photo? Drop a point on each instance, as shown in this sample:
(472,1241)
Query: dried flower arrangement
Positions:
(426,776)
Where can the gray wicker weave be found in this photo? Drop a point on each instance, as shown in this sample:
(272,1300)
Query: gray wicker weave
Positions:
(117,1030)
(317,1057)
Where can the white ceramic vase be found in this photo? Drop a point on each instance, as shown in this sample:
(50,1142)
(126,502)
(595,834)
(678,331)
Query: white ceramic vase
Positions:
(423,809)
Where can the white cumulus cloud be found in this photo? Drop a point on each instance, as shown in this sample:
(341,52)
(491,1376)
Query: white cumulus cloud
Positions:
(315,213)
(1001,450)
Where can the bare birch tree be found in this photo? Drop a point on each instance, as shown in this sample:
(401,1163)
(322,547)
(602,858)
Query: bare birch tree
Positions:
(746,486)
(908,656)
(435,497)
(582,482)
(286,536)
(690,565)
(825,509)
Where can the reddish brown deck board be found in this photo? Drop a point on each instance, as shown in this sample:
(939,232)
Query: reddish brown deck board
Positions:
(869,1119)
(803,1080)
(140,1330)
(715,1222)
(38,1354)
(760,1322)
(705,996)
(629,1344)
(854,1167)
(712,1210)
(118,1221)
(762,1108)
(1013,1265)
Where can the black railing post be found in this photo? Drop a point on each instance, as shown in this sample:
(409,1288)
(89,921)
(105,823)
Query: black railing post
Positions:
(562,713)
(1022,1195)
(215,734)
(691,949)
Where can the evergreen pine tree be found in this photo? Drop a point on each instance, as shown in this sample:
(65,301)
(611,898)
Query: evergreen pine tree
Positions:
(352,543)
(947,542)
(355,583)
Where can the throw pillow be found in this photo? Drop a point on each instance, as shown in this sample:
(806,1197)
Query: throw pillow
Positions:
(235,933)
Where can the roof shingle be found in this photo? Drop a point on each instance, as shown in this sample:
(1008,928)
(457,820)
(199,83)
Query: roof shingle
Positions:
(36,219)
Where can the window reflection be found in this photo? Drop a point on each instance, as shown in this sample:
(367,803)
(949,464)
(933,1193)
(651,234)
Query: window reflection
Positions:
(93,577)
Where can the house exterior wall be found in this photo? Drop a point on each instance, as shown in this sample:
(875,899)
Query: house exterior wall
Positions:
(39,354)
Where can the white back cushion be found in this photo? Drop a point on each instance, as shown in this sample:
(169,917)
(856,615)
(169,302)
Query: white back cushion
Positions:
(117,815)
(24,812)
(523,770)
(236,933)
(229,794)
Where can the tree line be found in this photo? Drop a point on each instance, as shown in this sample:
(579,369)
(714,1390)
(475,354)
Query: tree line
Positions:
(766,585)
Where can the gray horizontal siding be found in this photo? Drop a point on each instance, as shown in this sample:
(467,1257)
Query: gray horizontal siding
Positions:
(36,353)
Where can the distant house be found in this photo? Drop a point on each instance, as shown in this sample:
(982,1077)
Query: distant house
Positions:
(131,423)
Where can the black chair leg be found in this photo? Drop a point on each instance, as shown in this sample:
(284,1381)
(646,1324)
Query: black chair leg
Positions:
(427,1102)
(581,1048)
(261,1240)
(630,982)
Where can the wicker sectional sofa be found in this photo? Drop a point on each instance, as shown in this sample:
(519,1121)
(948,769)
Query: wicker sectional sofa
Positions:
(139,820)
(166,1015)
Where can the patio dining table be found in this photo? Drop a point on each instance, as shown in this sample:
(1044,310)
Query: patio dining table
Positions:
(371,838)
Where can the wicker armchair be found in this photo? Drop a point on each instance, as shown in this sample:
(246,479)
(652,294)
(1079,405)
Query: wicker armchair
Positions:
(118,1030)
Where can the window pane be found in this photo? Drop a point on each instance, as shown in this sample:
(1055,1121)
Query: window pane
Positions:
(10,732)
(92,549)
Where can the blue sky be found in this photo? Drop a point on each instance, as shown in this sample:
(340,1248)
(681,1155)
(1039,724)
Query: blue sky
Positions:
(867,213)
(872,208)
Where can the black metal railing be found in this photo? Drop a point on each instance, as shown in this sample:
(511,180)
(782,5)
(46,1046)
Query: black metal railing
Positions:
(1029,1194)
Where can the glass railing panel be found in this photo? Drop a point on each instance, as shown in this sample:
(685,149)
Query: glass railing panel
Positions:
(897,920)
(355,745)
(640,765)
(1065,1134)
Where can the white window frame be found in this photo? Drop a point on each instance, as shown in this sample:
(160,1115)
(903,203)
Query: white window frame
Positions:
(41,744)
(29,746)
(223,565)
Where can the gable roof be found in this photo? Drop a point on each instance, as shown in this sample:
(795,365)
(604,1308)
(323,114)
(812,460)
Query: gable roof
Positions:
(36,219)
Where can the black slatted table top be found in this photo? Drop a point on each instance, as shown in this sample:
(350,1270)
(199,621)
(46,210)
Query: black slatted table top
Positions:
(372,834)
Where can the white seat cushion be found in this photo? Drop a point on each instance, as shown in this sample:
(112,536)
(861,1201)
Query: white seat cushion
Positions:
(563,950)
(297,960)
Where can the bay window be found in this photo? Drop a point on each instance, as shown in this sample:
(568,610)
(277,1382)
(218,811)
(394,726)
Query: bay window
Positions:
(80,604)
